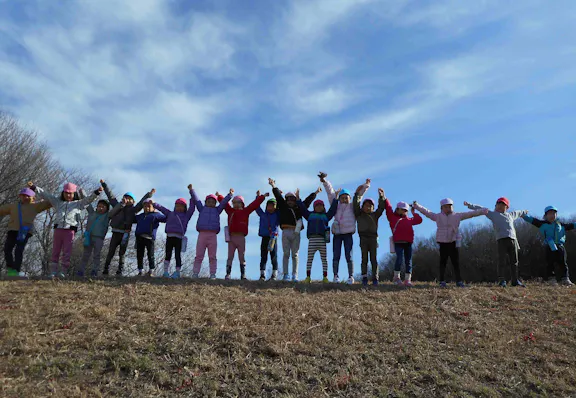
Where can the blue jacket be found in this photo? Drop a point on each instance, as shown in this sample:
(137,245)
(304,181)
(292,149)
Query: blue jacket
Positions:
(555,231)
(318,222)
(209,217)
(269,222)
(147,223)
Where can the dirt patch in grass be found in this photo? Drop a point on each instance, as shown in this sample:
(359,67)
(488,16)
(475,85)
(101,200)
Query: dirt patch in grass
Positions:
(138,338)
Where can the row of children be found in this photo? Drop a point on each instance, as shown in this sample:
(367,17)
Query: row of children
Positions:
(282,213)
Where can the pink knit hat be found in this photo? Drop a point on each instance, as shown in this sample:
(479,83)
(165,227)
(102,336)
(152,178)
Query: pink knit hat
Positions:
(212,196)
(238,199)
(318,202)
(69,187)
(181,201)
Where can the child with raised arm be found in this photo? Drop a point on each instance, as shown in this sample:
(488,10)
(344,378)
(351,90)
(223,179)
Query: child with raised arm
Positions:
(367,220)
(238,218)
(147,224)
(318,233)
(268,230)
(402,228)
(291,225)
(96,230)
(67,209)
(176,227)
(121,219)
(503,222)
(554,233)
(448,236)
(20,228)
(343,228)
(208,227)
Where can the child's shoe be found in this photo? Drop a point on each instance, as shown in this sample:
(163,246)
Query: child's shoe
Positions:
(374,282)
(106,272)
(262,277)
(150,274)
(243,277)
(139,273)
(94,274)
(212,276)
(166,274)
(397,281)
(325,280)
(308,280)
(502,284)
(22,274)
(295,279)
(11,272)
(350,280)
(61,275)
(227,277)
(443,285)
(176,275)
(552,281)
(118,274)
(408,283)
(567,282)
(274,276)
(460,284)
(54,275)
(336,279)
(286,278)
(195,276)
(365,281)
(518,283)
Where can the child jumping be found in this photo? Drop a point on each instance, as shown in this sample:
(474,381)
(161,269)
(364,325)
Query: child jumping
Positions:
(96,230)
(20,228)
(67,209)
(318,232)
(402,228)
(147,224)
(554,233)
(367,220)
(343,228)
(291,225)
(448,236)
(208,227)
(268,230)
(238,217)
(121,223)
(503,222)
(176,227)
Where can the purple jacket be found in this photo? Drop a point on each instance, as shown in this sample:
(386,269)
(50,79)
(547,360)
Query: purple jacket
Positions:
(208,217)
(177,223)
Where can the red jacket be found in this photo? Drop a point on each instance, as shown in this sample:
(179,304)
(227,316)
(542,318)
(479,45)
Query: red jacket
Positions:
(238,219)
(404,229)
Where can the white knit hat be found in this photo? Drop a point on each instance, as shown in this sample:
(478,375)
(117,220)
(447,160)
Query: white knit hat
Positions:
(446,201)
(403,205)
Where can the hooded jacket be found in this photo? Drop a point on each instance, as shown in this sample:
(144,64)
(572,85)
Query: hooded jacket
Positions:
(551,231)
(317,222)
(147,224)
(345,213)
(448,224)
(29,213)
(121,216)
(290,215)
(66,214)
(269,222)
(367,223)
(238,218)
(401,227)
(176,222)
(209,217)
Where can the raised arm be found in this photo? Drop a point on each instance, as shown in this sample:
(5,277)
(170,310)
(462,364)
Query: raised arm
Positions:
(416,218)
(194,200)
(140,204)
(381,205)
(534,221)
(46,196)
(111,198)
(84,202)
(333,208)
(389,210)
(329,190)
(303,209)
(518,214)
(224,201)
(474,207)
(115,210)
(425,211)
(311,198)
(255,204)
(471,214)
(356,204)
(162,209)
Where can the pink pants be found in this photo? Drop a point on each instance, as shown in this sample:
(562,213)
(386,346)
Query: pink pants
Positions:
(237,242)
(206,240)
(63,239)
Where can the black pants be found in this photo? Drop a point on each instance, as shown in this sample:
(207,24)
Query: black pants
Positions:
(449,251)
(264,254)
(558,257)
(369,248)
(148,245)
(14,261)
(173,243)
(115,241)
(507,251)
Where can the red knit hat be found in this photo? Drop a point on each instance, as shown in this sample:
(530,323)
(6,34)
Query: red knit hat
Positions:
(504,200)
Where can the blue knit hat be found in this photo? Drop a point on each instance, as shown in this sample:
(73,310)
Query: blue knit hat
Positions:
(130,194)
(547,209)
(344,192)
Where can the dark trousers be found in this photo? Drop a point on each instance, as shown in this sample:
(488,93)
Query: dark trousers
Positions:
(115,241)
(264,254)
(144,244)
(507,251)
(403,252)
(369,248)
(558,257)
(173,243)
(14,260)
(347,241)
(449,251)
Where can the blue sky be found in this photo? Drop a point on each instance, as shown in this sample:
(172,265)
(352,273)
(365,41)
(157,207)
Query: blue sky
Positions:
(471,100)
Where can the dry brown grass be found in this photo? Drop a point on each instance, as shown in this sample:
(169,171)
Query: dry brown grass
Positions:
(139,339)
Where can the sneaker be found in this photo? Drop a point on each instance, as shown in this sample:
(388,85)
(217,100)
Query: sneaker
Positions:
(325,280)
(105,272)
(11,272)
(227,277)
(460,284)
(518,283)
(263,277)
(94,273)
(552,281)
(54,275)
(166,274)
(176,275)
(273,277)
(22,274)
(567,282)
(139,273)
(336,279)
(397,281)
(243,278)
(502,284)
(407,283)
(350,280)
(286,278)
(61,275)
(212,276)
(195,276)
(308,280)
(365,281)
(443,285)
(150,274)
(374,282)
(118,274)
(295,279)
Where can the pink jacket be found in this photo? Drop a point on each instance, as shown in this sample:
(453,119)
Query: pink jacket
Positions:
(448,224)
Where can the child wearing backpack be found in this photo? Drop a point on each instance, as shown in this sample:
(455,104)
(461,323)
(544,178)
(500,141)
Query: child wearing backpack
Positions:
(67,208)
(367,220)
(96,230)
(268,230)
(554,233)
(448,236)
(20,228)
(402,228)
(238,217)
(503,222)
(208,227)
(147,224)
(176,227)
(124,213)
(318,232)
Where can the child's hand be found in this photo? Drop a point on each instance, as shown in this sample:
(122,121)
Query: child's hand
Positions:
(297,193)
(368,181)
(123,201)
(102,181)
(322,176)
(272,182)
(30,184)
(152,192)
(485,211)
(258,193)
(231,191)
(318,190)
(466,204)
(338,192)
(189,187)
(217,194)
(414,203)
(100,189)
(267,194)
(381,192)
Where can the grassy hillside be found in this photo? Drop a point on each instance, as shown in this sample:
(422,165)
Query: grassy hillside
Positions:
(152,338)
